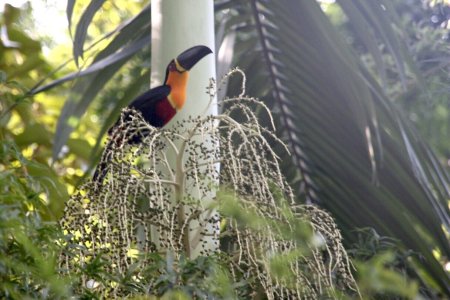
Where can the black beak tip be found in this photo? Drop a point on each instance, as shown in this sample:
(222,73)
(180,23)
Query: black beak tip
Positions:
(193,55)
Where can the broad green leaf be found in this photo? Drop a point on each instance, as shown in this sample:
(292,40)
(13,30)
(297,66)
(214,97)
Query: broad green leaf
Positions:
(55,190)
(69,13)
(34,133)
(82,28)
(113,58)
(80,147)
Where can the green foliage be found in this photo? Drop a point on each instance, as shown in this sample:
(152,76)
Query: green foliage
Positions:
(331,160)
(28,253)
(424,103)
(20,55)
(25,138)
(293,229)
(205,277)
(353,150)
(30,250)
(166,276)
(125,41)
(376,278)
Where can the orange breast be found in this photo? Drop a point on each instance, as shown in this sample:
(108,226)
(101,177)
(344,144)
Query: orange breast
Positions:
(178,83)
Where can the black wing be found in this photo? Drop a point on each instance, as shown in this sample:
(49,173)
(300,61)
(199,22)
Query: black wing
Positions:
(149,98)
(145,103)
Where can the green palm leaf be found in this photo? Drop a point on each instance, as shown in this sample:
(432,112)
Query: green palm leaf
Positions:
(357,155)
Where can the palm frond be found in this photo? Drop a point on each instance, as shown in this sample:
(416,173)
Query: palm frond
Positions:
(356,154)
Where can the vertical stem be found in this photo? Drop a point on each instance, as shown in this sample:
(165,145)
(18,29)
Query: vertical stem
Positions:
(179,195)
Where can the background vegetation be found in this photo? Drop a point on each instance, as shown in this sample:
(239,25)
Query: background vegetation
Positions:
(360,94)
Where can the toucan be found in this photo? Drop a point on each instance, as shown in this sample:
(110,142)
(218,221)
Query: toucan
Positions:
(160,104)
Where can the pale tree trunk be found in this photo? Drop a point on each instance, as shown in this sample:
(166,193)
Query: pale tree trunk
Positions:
(176,26)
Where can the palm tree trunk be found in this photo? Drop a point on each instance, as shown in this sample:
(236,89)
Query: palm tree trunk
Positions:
(176,26)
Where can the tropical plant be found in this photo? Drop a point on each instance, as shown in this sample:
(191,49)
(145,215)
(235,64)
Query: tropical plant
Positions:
(425,26)
(145,205)
(353,151)
(26,138)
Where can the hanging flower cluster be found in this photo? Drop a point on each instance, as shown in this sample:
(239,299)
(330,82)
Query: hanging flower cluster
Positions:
(164,194)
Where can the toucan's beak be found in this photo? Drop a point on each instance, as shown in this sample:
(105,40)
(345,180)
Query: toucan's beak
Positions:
(191,56)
